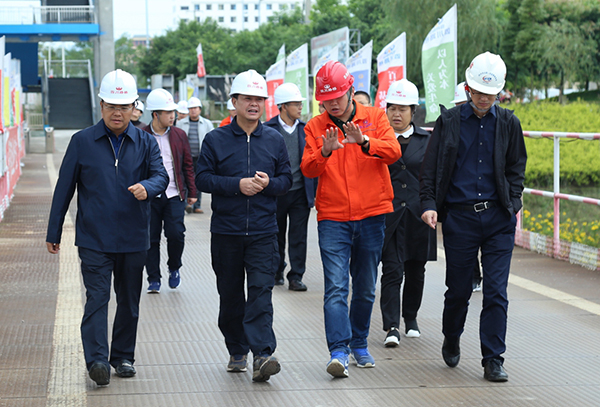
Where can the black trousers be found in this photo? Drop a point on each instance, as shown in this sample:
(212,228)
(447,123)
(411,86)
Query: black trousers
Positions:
(395,269)
(246,323)
(294,206)
(97,268)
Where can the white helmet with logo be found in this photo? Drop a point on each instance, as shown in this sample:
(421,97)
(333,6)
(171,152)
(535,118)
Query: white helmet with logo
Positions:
(118,88)
(139,105)
(486,74)
(182,107)
(402,92)
(459,93)
(230,105)
(287,92)
(194,102)
(160,99)
(249,83)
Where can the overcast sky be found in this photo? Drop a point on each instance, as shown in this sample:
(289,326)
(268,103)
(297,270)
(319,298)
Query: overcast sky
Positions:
(130,17)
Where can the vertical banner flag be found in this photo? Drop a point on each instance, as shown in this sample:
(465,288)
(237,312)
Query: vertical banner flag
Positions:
(201,70)
(275,75)
(6,91)
(391,67)
(331,55)
(2,48)
(322,44)
(439,64)
(296,71)
(359,66)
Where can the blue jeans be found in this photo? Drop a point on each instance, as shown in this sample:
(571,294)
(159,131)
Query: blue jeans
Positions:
(350,249)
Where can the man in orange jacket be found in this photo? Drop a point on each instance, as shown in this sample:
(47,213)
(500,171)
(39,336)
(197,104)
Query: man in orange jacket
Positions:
(353,195)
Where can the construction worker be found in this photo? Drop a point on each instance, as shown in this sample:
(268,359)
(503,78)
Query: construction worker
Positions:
(245,166)
(136,115)
(349,148)
(472,181)
(409,243)
(168,209)
(182,111)
(232,113)
(362,97)
(296,204)
(116,169)
(196,127)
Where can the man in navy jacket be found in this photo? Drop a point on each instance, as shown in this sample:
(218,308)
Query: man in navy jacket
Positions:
(296,204)
(116,169)
(245,166)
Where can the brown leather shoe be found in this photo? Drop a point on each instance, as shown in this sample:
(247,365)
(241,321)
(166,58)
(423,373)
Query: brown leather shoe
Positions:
(198,210)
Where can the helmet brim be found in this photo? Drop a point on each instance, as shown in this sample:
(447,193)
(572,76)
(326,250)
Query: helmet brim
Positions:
(119,101)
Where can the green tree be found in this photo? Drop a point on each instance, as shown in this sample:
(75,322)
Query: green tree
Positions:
(127,57)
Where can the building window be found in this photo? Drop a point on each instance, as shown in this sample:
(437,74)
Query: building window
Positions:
(221,19)
(269,6)
(221,7)
(256,7)
(197,7)
(198,19)
(232,19)
(209,7)
(245,7)
(233,6)
(245,19)
(185,20)
(256,19)
(293,6)
(185,8)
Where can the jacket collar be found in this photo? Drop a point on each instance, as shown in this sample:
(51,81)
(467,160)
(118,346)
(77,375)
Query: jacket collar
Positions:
(238,131)
(100,130)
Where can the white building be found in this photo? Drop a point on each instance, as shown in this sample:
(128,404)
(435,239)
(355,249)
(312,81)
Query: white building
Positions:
(236,15)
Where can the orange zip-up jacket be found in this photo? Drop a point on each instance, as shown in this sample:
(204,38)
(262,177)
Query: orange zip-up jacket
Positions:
(353,185)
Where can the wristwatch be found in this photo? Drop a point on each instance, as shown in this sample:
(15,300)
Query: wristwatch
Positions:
(365,141)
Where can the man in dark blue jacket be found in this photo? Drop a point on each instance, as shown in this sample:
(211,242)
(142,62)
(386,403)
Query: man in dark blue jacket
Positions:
(245,166)
(300,198)
(116,169)
(472,176)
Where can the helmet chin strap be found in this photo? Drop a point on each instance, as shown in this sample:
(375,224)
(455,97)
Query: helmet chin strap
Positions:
(470,100)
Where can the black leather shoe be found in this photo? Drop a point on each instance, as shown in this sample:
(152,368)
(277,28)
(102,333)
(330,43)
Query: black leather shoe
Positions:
(493,371)
(297,285)
(125,369)
(279,279)
(451,351)
(100,373)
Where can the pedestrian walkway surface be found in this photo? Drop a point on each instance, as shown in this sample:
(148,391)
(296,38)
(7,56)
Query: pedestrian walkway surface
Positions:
(553,340)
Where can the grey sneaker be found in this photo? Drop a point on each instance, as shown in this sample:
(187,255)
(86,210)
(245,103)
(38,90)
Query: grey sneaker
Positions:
(237,363)
(264,367)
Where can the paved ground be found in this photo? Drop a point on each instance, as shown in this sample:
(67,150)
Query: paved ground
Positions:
(553,334)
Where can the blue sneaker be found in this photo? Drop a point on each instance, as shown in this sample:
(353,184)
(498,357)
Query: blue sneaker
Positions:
(154,287)
(174,279)
(338,365)
(363,358)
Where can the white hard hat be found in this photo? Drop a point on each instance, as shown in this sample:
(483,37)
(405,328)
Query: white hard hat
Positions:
(402,92)
(194,102)
(182,107)
(249,83)
(486,74)
(287,92)
(459,93)
(118,87)
(230,105)
(139,105)
(160,99)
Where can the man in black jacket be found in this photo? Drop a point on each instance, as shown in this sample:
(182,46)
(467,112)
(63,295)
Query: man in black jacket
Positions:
(472,178)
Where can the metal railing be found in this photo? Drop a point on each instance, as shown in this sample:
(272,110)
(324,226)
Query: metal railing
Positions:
(22,15)
(69,68)
(35,121)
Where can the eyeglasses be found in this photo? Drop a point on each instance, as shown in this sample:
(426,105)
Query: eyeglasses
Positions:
(113,108)
(295,104)
(480,94)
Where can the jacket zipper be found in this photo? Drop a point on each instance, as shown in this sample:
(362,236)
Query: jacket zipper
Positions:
(248,199)
(174,174)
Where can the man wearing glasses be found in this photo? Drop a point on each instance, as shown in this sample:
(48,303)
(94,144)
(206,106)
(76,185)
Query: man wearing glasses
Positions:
(472,180)
(296,204)
(116,169)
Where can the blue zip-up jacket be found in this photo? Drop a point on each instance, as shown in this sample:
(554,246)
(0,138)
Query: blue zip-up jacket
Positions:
(227,156)
(310,184)
(109,218)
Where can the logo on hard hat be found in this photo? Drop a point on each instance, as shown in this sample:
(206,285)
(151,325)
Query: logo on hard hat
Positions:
(488,77)
(328,88)
(255,85)
(119,88)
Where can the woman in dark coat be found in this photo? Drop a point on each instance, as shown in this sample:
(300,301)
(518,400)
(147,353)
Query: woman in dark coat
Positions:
(409,243)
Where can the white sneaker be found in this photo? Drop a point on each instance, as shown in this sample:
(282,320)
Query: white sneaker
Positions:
(477,288)
(392,339)
(413,333)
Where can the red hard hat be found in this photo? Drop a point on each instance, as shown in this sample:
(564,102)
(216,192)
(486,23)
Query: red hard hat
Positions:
(333,80)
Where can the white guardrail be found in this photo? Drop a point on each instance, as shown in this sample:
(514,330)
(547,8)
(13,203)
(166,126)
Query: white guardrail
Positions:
(22,15)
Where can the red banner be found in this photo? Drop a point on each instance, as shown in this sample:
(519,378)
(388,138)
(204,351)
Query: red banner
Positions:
(201,72)
(393,74)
